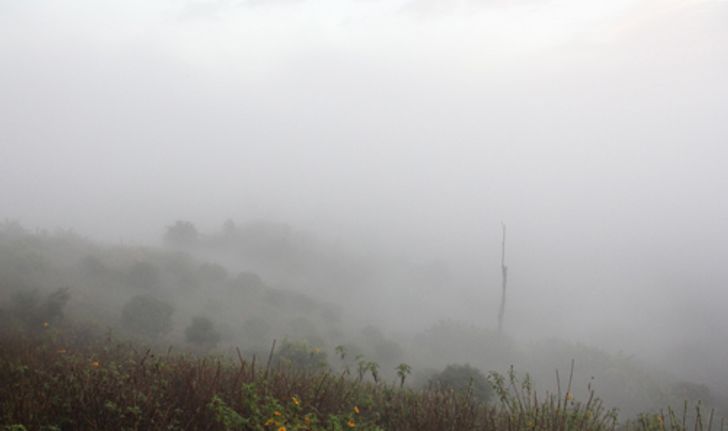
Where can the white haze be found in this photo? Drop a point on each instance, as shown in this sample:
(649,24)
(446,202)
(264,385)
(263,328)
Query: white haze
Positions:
(595,130)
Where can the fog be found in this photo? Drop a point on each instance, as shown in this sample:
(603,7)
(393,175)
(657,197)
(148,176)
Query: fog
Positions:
(396,137)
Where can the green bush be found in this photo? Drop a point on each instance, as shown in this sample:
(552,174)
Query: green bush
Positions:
(300,355)
(34,312)
(202,333)
(147,315)
(463,378)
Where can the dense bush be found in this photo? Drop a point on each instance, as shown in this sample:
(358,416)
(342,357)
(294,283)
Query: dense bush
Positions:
(147,315)
(29,308)
(69,381)
(463,379)
(182,233)
(202,333)
(143,275)
(300,355)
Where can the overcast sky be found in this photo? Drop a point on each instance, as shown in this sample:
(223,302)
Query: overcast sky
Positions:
(596,130)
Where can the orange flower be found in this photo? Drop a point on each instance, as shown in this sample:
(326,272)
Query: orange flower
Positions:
(95,364)
(282,429)
(276,413)
(351,423)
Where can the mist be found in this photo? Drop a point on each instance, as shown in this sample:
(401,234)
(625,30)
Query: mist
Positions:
(389,141)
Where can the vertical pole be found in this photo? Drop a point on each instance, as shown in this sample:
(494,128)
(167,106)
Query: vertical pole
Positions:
(504,277)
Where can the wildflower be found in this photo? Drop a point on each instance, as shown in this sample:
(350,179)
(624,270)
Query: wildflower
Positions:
(356,410)
(282,429)
(95,364)
(269,422)
(276,413)
(45,324)
(351,423)
(296,401)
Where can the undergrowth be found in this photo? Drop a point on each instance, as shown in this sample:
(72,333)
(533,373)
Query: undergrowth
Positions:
(65,380)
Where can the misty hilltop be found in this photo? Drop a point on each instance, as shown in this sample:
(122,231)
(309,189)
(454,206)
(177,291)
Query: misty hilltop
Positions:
(325,187)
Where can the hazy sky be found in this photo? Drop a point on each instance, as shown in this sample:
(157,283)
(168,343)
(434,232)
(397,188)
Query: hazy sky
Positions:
(596,130)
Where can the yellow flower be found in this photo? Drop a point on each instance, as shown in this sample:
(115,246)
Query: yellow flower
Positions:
(296,400)
(95,364)
(351,423)
(269,422)
(356,410)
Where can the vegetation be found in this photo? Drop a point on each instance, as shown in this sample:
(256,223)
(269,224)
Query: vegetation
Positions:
(62,379)
(464,379)
(58,372)
(202,333)
(147,315)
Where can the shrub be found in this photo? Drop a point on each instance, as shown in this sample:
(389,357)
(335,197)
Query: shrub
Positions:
(300,355)
(463,378)
(143,275)
(182,233)
(28,307)
(212,273)
(147,315)
(202,333)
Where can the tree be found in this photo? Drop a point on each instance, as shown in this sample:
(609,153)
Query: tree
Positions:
(182,233)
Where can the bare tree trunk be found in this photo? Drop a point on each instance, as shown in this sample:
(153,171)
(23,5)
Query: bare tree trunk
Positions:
(504,275)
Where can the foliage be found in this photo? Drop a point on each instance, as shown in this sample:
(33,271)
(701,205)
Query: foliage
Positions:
(213,273)
(463,379)
(182,233)
(300,355)
(147,315)
(202,333)
(34,312)
(67,380)
(143,275)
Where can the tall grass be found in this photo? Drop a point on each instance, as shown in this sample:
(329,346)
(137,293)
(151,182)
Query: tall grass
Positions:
(65,380)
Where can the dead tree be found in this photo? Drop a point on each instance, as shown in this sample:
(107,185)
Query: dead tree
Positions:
(504,277)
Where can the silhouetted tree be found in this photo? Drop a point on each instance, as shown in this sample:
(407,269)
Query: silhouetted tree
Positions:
(182,233)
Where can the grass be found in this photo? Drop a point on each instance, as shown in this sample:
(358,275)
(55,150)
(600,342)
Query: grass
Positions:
(64,379)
